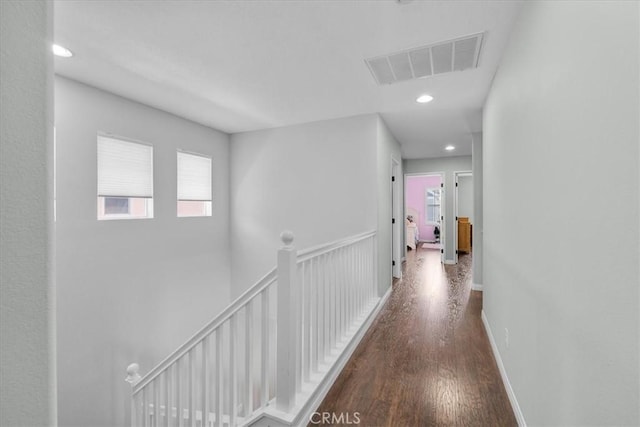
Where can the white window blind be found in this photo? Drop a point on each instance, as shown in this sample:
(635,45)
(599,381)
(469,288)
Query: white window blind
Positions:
(194,177)
(125,169)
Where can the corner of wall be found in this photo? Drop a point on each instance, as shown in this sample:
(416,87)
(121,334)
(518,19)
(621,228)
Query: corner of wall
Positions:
(27,293)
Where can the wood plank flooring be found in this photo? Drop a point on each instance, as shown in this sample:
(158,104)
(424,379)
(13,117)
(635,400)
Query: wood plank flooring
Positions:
(426,361)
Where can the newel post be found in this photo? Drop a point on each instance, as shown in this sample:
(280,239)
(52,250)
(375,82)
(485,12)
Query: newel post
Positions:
(133,376)
(287,319)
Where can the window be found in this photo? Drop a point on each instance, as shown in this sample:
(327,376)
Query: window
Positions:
(116,206)
(432,199)
(194,185)
(125,179)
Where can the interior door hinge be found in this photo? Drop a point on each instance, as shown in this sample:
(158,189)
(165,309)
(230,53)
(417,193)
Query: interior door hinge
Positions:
(441,251)
(393,178)
(393,220)
(393,263)
(442,185)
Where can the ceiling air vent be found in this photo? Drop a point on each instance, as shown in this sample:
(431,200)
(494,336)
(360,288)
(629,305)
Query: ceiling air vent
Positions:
(438,58)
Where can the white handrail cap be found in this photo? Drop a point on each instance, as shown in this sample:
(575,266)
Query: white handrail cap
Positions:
(287,237)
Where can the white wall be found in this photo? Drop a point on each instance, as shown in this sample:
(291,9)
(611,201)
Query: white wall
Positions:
(317,180)
(561,142)
(465,197)
(27,321)
(448,165)
(477,210)
(387,149)
(129,290)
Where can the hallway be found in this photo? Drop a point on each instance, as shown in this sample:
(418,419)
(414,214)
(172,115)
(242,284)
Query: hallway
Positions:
(426,360)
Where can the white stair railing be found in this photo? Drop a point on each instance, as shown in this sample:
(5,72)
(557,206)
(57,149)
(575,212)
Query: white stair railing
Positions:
(271,345)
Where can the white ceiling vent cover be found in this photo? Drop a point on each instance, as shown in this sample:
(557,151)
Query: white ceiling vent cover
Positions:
(438,58)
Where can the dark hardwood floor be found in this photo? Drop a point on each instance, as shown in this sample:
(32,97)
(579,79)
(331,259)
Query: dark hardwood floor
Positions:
(426,361)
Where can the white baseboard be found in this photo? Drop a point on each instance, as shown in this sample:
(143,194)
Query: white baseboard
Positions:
(450,261)
(503,373)
(476,287)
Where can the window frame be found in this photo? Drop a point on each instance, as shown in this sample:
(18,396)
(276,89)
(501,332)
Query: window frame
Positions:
(437,196)
(102,215)
(207,204)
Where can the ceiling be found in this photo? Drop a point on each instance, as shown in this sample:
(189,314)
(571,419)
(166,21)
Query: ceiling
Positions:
(245,65)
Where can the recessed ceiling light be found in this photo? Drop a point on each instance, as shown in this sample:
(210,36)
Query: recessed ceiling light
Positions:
(449,148)
(423,99)
(61,51)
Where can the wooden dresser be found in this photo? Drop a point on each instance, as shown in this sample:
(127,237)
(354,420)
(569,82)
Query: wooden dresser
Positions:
(464,234)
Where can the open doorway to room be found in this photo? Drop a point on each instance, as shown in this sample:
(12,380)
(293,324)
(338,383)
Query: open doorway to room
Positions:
(396,213)
(463,208)
(424,212)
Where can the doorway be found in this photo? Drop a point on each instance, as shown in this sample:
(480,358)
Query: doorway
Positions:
(463,213)
(396,214)
(425,208)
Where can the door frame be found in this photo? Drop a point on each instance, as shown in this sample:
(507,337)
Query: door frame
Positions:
(443,216)
(456,175)
(396,213)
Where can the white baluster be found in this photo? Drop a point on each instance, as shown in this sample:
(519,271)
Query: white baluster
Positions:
(313,304)
(367,270)
(374,265)
(156,402)
(204,381)
(366,260)
(351,284)
(356,285)
(339,299)
(347,261)
(359,279)
(348,286)
(190,393)
(219,404)
(167,396)
(233,370)
(298,306)
(334,298)
(348,267)
(264,356)
(321,309)
(327,305)
(332,302)
(286,350)
(178,391)
(361,274)
(248,368)
(365,274)
(131,407)
(145,406)
(307,320)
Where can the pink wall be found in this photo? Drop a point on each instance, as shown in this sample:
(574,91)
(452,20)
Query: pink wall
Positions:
(414,200)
